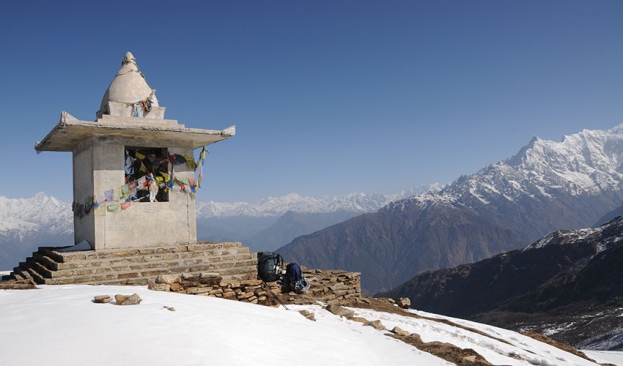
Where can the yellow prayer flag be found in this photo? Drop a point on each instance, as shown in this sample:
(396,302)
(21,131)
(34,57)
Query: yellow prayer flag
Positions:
(190,162)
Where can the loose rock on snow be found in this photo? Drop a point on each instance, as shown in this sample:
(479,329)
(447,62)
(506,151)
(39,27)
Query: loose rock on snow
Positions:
(133,299)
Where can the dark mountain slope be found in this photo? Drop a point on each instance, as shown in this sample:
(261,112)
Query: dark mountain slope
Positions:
(567,285)
(425,238)
(294,224)
(409,237)
(609,216)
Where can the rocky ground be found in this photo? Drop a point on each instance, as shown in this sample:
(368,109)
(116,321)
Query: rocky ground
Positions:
(446,351)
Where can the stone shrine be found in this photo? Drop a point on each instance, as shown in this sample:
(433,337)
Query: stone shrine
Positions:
(133,170)
(134,183)
(134,186)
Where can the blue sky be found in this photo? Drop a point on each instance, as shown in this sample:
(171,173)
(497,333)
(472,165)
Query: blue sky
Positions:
(328,97)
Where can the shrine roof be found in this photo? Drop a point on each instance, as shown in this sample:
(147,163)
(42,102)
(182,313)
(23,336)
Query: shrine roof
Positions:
(70,132)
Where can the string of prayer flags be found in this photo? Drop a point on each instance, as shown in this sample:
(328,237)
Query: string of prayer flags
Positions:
(145,104)
(123,196)
(183,159)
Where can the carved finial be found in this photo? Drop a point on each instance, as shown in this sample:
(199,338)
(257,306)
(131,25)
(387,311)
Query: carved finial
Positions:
(129,57)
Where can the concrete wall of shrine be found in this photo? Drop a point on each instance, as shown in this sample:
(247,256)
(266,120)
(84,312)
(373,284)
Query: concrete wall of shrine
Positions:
(99,167)
(84,228)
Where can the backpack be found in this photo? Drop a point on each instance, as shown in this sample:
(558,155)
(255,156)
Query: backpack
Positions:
(294,280)
(269,266)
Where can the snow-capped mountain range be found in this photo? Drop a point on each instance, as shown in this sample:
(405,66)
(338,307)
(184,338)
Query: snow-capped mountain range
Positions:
(39,213)
(277,206)
(583,164)
(546,186)
(26,223)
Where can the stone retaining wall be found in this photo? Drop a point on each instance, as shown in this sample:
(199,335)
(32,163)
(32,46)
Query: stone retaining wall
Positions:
(329,286)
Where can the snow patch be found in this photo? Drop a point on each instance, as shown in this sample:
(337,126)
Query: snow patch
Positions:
(328,341)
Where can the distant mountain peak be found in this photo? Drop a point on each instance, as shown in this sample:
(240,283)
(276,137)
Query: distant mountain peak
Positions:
(519,158)
(586,163)
(277,206)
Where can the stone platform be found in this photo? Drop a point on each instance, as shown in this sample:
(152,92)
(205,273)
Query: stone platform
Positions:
(230,260)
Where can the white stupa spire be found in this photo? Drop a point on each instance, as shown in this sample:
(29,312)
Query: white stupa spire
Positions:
(128,86)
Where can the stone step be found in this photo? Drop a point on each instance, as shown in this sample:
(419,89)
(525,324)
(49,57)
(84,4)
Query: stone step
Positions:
(25,272)
(240,275)
(42,275)
(19,271)
(86,259)
(46,261)
(189,249)
(46,266)
(137,266)
(13,275)
(125,281)
(219,264)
